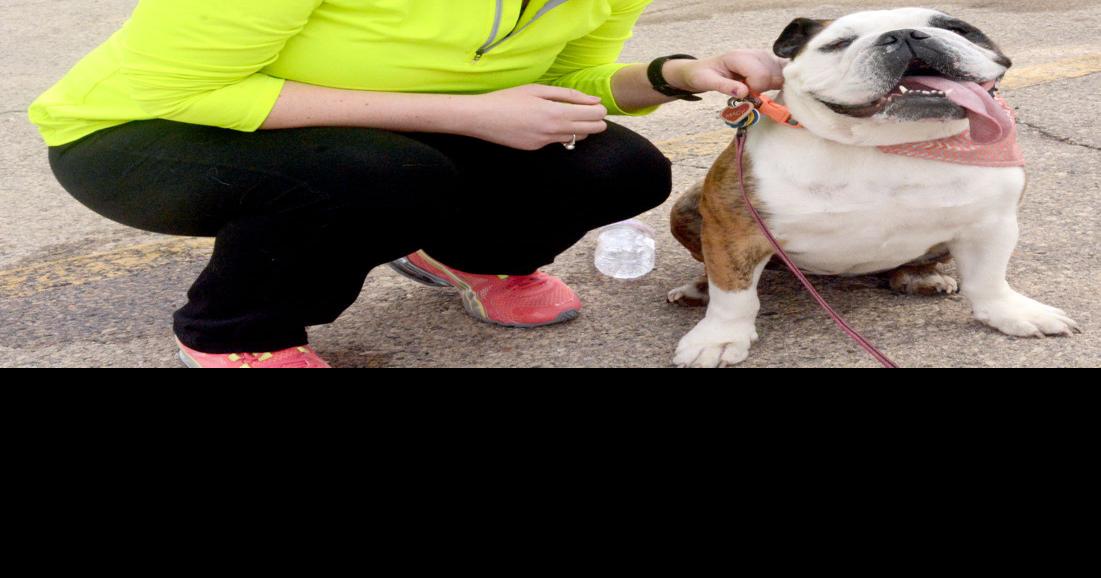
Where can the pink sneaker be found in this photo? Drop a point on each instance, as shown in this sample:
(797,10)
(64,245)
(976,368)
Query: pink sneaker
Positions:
(528,301)
(294,358)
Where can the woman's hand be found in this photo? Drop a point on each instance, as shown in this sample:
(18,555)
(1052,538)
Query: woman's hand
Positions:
(534,116)
(735,73)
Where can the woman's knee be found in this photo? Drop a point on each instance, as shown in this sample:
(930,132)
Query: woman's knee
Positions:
(637,171)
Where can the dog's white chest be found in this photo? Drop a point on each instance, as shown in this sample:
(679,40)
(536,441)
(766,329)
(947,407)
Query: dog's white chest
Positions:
(842,210)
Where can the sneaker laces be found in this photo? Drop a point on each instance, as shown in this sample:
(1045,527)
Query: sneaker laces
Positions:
(251,359)
(248,358)
(525,282)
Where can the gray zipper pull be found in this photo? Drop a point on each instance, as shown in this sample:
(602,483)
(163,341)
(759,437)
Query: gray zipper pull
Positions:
(491,44)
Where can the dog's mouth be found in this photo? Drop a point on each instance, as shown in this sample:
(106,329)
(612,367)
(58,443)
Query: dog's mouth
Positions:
(910,90)
(924,93)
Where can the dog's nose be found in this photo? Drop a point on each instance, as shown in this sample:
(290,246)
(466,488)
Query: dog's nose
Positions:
(898,36)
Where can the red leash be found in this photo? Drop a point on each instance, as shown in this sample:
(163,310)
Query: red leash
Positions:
(856,336)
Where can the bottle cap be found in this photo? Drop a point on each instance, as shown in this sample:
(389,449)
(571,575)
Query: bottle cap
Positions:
(632,223)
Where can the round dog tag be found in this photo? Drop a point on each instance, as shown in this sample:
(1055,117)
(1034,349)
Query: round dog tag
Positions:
(736,113)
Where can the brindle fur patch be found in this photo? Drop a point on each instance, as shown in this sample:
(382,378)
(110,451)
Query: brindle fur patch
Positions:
(935,255)
(928,279)
(724,234)
(695,294)
(686,221)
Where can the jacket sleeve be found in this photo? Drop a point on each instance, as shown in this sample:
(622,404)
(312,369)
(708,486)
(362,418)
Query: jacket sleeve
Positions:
(198,61)
(588,64)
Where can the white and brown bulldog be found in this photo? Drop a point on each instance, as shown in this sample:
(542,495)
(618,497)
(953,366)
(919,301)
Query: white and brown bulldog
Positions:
(906,159)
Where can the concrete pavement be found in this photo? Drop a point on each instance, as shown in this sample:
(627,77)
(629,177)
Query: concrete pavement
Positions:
(77,290)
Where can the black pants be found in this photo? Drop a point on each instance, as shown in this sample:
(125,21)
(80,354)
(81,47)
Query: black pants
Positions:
(302,216)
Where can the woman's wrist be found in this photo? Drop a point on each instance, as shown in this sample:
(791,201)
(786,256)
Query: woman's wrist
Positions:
(633,91)
(736,73)
(452,114)
(463,115)
(674,72)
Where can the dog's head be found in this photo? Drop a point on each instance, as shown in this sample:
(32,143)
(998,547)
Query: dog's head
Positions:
(893,77)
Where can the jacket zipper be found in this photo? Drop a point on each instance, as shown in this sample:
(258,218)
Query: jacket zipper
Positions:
(490,44)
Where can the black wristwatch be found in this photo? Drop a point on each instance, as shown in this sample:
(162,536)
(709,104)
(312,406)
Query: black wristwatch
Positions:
(657,79)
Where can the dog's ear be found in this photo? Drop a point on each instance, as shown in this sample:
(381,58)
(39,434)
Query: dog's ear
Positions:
(797,35)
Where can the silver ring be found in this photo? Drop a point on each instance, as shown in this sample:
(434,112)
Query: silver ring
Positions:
(572,145)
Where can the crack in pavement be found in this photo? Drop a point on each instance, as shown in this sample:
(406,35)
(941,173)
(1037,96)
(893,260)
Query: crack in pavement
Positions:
(1063,139)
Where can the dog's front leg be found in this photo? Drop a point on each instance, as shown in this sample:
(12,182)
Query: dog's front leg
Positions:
(736,254)
(982,255)
(725,335)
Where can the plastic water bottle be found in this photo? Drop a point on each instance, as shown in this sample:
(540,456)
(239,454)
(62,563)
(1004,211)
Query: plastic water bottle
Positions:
(626,250)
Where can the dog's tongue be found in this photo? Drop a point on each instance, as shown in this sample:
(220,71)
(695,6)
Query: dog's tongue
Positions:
(990,122)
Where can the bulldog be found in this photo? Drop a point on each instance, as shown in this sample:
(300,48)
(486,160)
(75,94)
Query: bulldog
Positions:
(906,159)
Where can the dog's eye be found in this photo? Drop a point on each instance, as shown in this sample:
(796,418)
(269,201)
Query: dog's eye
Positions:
(839,45)
(956,26)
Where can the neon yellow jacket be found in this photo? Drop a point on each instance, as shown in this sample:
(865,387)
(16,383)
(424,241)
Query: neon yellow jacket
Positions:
(223,63)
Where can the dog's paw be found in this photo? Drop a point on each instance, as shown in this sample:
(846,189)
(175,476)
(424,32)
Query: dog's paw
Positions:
(924,282)
(1023,317)
(691,295)
(715,344)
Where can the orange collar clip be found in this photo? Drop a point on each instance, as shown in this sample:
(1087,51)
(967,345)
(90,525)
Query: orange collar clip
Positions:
(775,111)
(744,113)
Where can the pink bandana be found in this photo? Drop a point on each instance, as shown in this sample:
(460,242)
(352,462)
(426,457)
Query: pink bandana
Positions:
(962,150)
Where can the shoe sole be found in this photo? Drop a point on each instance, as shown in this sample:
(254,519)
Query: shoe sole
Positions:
(565,317)
(188,362)
(410,271)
